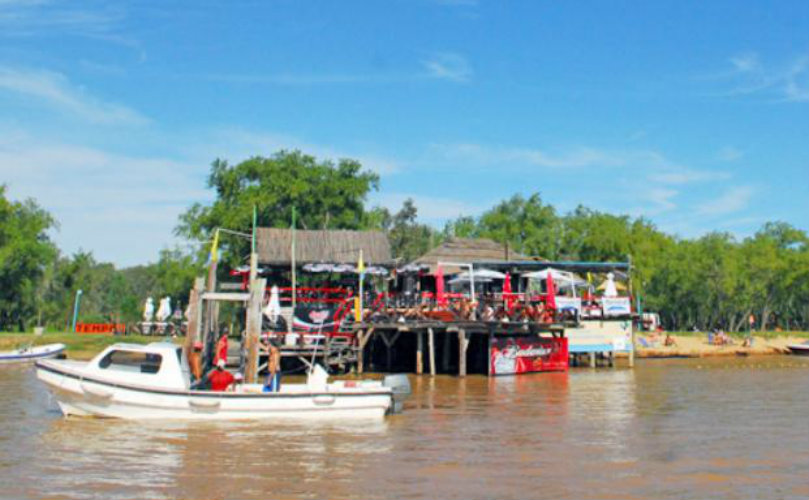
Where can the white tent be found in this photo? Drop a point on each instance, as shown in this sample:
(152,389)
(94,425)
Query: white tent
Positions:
(479,275)
(560,278)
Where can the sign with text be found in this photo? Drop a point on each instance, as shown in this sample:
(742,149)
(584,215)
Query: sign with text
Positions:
(519,354)
(568,303)
(616,306)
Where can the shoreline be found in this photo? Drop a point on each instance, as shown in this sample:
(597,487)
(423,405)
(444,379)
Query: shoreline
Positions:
(691,346)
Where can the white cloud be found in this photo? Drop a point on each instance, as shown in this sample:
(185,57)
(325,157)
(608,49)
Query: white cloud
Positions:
(745,62)
(121,207)
(432,209)
(789,82)
(732,200)
(448,66)
(729,153)
(508,156)
(54,90)
(237,144)
(684,175)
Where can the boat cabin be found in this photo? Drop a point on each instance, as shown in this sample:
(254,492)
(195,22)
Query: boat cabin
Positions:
(159,364)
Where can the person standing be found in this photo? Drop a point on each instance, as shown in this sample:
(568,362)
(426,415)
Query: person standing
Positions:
(273,367)
(222,348)
(195,362)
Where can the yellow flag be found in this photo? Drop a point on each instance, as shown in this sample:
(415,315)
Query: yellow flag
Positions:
(214,255)
(360,264)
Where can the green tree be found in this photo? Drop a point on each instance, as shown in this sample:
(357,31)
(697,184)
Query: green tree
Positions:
(326,195)
(25,252)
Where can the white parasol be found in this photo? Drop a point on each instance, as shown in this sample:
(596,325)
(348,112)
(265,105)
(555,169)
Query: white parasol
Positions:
(148,310)
(273,308)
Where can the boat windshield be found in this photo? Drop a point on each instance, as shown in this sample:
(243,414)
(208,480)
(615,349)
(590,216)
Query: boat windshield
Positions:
(131,361)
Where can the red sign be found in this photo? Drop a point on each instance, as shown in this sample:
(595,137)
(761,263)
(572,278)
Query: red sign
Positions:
(513,355)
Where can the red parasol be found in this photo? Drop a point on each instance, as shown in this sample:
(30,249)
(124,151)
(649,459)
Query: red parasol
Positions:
(550,300)
(440,296)
(507,291)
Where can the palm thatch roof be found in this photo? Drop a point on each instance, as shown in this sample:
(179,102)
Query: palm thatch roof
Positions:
(274,246)
(467,250)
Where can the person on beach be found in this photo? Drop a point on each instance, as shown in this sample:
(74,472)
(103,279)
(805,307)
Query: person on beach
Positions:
(219,378)
(273,367)
(669,342)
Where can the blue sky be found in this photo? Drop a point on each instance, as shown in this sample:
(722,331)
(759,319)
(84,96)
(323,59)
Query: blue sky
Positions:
(693,114)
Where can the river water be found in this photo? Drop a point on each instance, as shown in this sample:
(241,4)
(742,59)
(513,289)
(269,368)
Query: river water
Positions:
(669,429)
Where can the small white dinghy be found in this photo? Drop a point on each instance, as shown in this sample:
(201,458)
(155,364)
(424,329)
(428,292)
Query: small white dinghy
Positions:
(799,349)
(152,382)
(28,354)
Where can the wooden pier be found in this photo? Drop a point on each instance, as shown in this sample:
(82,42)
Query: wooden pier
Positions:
(438,347)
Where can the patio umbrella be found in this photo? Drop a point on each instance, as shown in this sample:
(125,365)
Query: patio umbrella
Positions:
(440,296)
(551,291)
(507,291)
(609,286)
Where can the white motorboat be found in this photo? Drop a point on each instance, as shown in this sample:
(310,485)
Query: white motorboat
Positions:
(799,349)
(153,382)
(29,354)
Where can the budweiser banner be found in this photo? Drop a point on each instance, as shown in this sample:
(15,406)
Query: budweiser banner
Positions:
(513,355)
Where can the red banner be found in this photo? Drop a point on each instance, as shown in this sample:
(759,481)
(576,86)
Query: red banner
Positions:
(522,354)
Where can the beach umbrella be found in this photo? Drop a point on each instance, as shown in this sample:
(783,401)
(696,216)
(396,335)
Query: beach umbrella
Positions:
(440,296)
(507,291)
(319,267)
(273,308)
(164,309)
(551,291)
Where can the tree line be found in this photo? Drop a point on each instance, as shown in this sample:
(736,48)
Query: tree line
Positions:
(716,280)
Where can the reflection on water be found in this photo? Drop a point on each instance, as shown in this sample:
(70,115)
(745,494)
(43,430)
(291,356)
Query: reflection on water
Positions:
(726,428)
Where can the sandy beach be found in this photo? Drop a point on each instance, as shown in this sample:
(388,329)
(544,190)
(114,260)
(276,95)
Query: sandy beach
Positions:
(697,347)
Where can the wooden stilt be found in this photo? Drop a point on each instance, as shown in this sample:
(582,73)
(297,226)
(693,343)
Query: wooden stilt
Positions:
(362,341)
(445,353)
(194,314)
(257,289)
(592,360)
(463,344)
(419,353)
(431,342)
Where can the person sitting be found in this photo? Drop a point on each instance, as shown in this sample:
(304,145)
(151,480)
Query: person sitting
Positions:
(669,342)
(748,341)
(236,386)
(219,378)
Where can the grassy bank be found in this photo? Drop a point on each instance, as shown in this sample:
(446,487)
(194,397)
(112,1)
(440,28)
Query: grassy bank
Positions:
(78,346)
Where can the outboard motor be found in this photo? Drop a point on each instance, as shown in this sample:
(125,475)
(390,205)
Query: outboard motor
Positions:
(400,386)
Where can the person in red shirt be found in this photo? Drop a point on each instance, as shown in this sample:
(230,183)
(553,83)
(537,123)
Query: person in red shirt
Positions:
(222,348)
(219,378)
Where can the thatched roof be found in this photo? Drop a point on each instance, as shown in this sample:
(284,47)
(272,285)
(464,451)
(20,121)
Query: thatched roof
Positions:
(274,246)
(467,250)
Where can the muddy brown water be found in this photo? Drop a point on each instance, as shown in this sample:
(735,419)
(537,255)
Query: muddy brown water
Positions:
(669,429)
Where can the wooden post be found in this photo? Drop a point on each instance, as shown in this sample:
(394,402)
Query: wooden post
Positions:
(360,354)
(632,348)
(362,341)
(257,289)
(592,359)
(419,353)
(194,314)
(445,354)
(463,343)
(431,342)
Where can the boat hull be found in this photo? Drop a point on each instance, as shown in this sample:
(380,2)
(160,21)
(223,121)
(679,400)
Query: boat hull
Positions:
(32,355)
(799,350)
(82,396)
